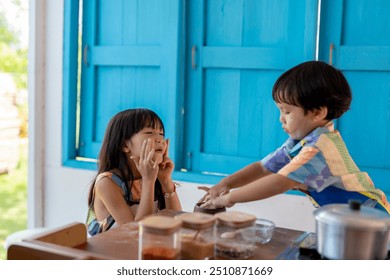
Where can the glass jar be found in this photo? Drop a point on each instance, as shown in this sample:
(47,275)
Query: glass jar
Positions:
(197,236)
(159,238)
(235,235)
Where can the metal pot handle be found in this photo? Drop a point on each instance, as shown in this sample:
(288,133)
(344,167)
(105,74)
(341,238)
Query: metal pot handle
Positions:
(354,204)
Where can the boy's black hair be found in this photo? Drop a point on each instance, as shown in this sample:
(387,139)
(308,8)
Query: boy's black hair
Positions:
(314,84)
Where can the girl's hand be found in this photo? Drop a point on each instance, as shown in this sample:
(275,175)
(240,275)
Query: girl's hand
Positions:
(166,166)
(147,167)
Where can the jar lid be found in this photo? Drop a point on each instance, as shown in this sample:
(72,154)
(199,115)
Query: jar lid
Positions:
(353,215)
(196,220)
(160,224)
(236,219)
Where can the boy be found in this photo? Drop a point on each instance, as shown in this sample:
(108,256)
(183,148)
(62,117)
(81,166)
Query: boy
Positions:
(314,159)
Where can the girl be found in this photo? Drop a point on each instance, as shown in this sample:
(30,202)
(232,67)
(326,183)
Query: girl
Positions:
(134,172)
(314,159)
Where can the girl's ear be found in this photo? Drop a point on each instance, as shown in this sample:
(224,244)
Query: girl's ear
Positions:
(321,113)
(125,148)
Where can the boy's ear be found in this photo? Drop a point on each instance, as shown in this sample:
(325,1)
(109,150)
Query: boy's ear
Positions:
(320,114)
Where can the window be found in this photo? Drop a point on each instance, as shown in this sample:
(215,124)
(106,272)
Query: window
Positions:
(207,68)
(127,56)
(209,79)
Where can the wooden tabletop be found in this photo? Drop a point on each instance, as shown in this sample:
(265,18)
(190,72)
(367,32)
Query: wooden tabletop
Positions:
(122,242)
(71,242)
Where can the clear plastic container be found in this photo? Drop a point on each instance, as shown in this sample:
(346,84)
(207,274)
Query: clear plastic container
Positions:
(235,235)
(264,230)
(197,236)
(159,238)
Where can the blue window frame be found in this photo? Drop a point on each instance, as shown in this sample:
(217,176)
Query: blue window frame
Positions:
(115,60)
(70,86)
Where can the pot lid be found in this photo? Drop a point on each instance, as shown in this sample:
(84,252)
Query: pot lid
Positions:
(353,215)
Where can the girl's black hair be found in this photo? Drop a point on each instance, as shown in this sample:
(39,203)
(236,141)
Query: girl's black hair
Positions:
(121,128)
(314,84)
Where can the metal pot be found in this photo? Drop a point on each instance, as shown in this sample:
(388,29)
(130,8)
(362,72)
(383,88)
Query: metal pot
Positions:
(351,231)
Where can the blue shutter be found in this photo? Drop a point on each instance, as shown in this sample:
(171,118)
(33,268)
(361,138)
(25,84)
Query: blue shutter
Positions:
(360,33)
(237,49)
(130,57)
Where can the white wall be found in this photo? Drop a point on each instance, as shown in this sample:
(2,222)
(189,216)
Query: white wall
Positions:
(58,195)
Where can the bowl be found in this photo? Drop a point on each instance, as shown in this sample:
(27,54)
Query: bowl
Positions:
(197,208)
(263,230)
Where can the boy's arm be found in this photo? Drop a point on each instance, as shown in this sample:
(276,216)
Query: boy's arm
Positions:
(246,175)
(262,188)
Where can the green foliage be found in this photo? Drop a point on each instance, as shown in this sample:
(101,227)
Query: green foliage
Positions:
(13,59)
(6,36)
(13,200)
(13,186)
(15,62)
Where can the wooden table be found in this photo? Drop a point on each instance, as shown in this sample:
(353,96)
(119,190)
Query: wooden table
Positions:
(122,243)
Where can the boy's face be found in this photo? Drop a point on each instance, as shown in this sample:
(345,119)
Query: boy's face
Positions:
(296,124)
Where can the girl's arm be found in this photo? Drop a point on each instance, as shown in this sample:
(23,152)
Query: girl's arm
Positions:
(171,198)
(165,177)
(148,168)
(109,200)
(146,204)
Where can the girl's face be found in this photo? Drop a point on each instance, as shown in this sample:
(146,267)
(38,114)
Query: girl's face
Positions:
(158,142)
(296,124)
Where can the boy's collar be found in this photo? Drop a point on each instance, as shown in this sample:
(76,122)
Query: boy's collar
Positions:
(328,127)
(296,145)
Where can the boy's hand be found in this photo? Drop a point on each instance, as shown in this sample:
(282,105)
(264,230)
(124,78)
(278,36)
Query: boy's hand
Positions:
(218,202)
(213,192)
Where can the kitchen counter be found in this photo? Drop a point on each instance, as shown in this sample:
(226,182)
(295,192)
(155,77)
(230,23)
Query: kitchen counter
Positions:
(122,243)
